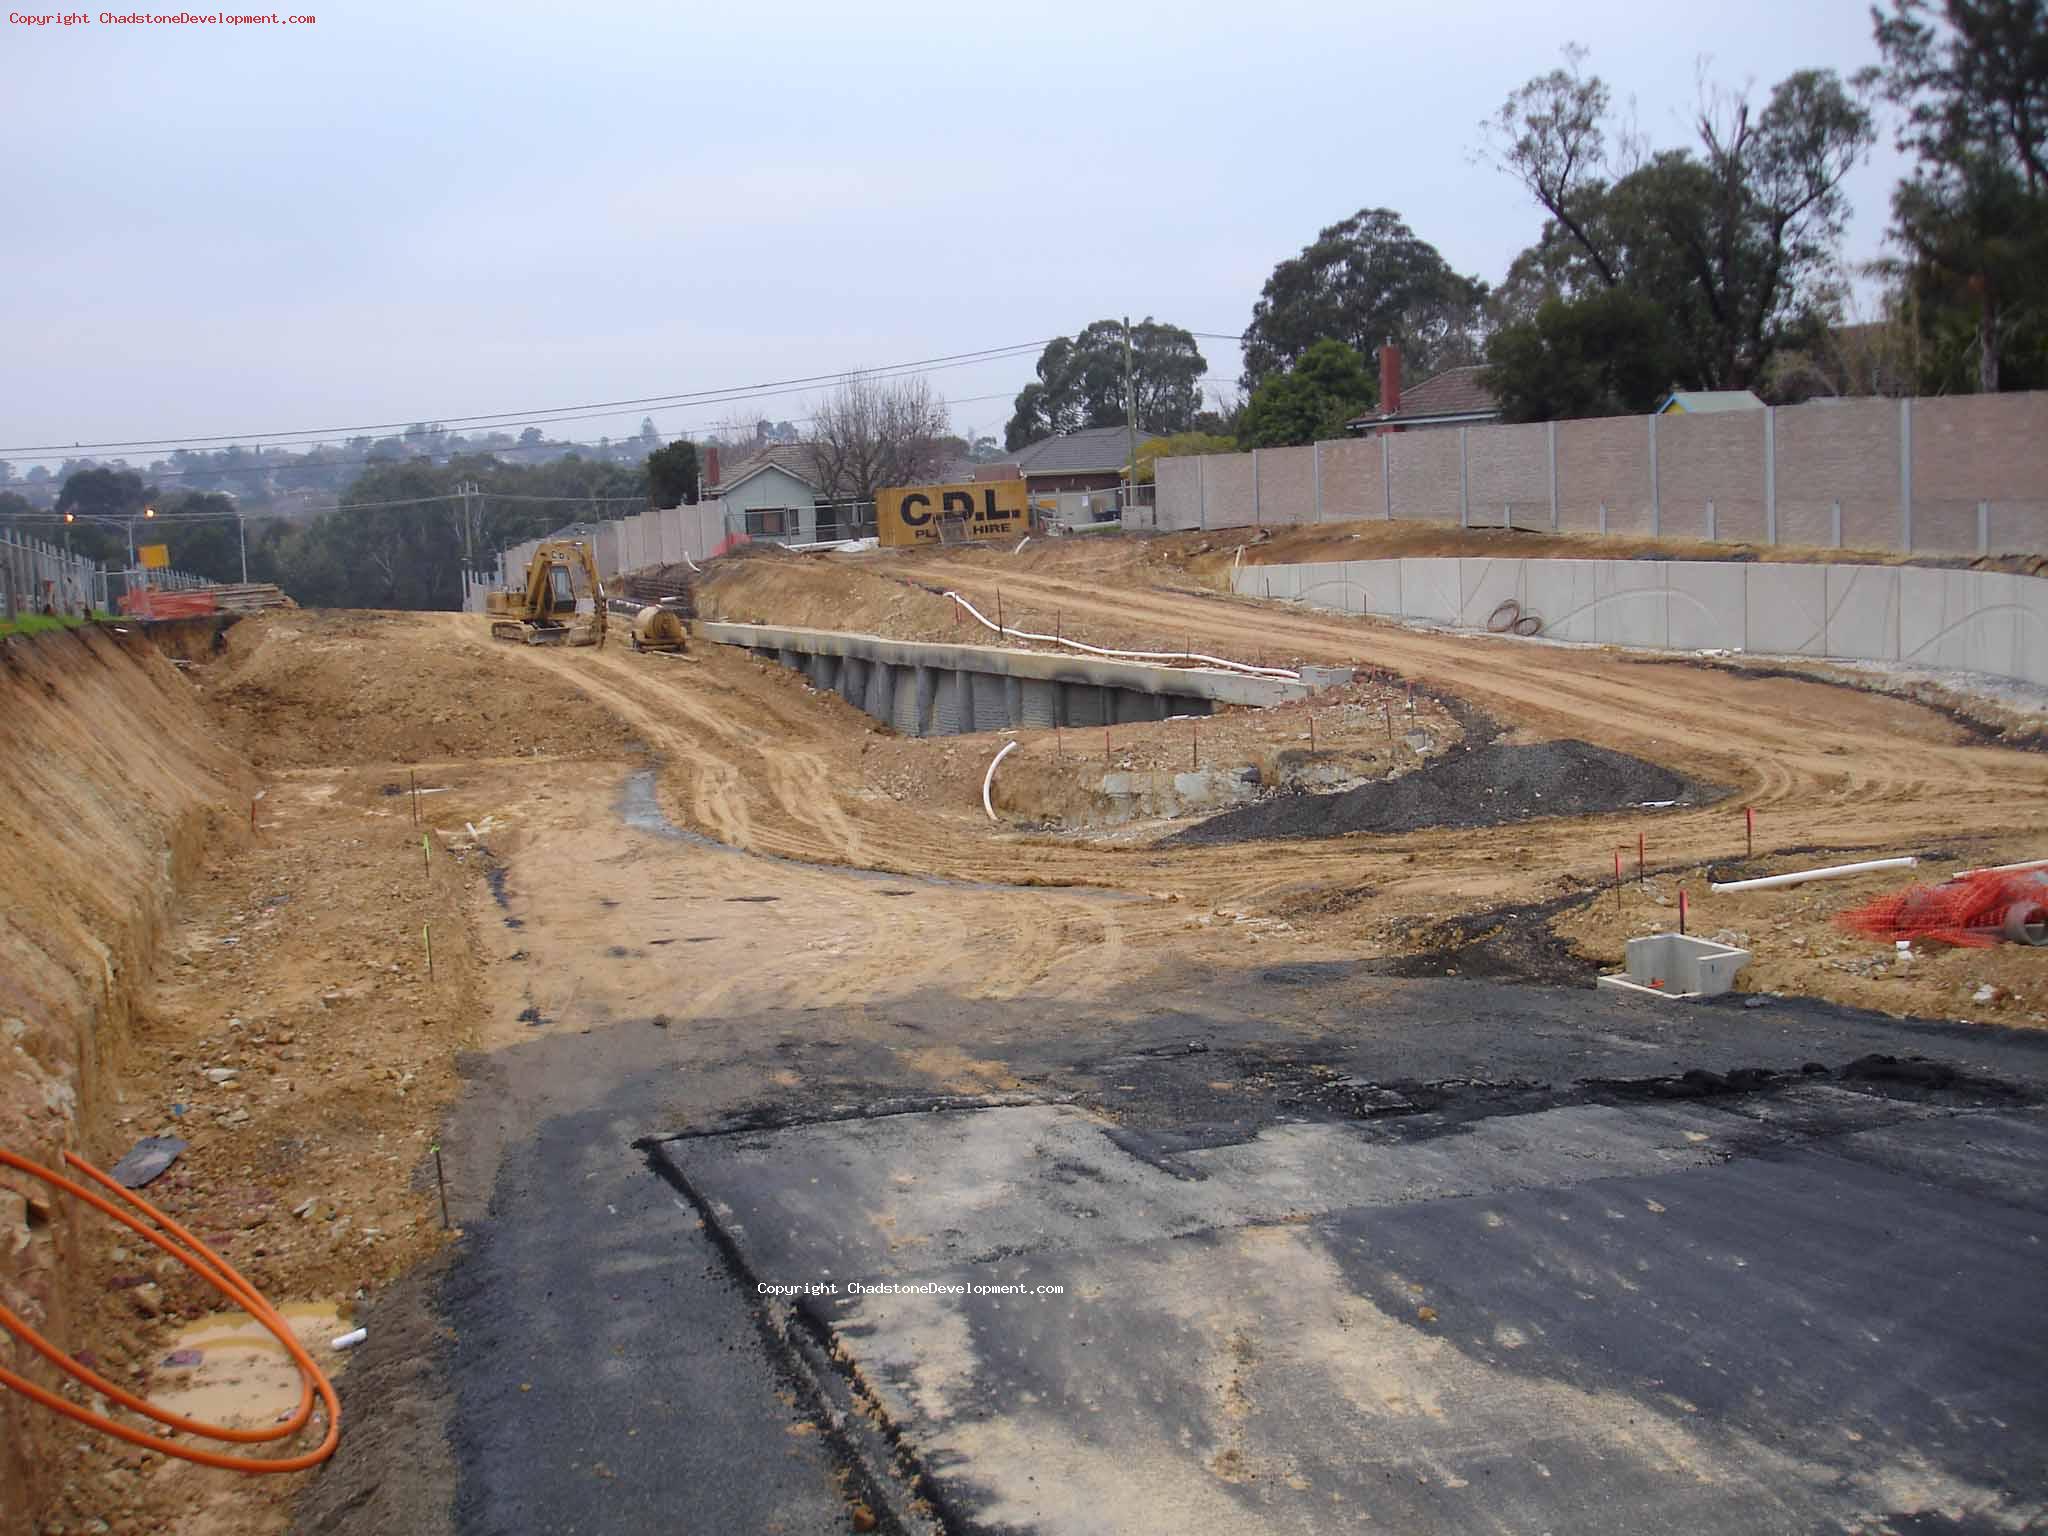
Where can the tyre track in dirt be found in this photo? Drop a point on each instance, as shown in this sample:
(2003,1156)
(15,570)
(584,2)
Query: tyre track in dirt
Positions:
(775,767)
(731,730)
(1831,763)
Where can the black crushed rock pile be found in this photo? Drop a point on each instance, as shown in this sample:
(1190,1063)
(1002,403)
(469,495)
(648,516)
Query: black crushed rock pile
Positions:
(1481,786)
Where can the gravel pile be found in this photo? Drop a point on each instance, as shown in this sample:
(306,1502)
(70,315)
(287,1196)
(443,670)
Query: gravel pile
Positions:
(1483,787)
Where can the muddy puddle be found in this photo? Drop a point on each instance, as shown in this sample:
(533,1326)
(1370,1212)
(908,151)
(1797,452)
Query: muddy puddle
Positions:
(228,1369)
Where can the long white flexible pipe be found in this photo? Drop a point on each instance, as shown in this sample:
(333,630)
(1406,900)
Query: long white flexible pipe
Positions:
(1999,869)
(990,777)
(1831,872)
(1096,650)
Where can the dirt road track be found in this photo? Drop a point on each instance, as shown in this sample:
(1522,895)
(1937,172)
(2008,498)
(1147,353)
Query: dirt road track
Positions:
(755,759)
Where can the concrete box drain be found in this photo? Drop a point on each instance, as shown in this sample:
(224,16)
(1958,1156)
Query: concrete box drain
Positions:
(1675,965)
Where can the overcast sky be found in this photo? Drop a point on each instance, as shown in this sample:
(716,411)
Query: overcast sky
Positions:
(397,214)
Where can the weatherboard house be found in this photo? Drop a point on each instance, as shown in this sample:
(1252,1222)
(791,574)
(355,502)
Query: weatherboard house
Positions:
(770,495)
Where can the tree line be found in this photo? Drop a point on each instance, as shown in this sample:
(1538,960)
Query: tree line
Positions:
(401,537)
(1716,264)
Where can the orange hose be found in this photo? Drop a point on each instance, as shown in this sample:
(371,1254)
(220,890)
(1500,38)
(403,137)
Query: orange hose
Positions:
(190,1251)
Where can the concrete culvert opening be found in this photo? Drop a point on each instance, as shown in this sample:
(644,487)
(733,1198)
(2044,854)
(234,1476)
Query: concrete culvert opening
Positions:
(1130,779)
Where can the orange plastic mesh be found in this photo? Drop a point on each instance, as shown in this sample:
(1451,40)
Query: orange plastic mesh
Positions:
(1969,911)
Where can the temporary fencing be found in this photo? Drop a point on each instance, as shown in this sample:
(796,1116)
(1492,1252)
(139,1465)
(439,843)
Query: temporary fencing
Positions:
(1975,910)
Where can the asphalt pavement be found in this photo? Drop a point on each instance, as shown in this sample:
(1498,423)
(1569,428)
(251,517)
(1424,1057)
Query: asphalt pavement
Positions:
(1302,1252)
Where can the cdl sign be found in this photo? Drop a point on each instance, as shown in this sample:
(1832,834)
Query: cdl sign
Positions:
(928,514)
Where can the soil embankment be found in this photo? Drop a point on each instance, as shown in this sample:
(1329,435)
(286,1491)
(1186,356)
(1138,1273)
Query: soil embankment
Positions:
(112,784)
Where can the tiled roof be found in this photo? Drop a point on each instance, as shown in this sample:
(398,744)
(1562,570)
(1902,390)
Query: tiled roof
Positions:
(1454,392)
(1077,453)
(794,458)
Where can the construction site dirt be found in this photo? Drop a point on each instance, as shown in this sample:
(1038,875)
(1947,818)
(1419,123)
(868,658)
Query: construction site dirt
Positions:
(731,987)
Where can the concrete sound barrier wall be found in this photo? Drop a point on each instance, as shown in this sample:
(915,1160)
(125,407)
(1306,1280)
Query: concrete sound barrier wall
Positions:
(1976,621)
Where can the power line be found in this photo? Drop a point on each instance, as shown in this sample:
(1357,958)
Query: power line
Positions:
(261,466)
(541,415)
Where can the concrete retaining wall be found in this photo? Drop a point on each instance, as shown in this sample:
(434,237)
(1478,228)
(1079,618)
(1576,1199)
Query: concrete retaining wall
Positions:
(1977,621)
(948,690)
(1960,475)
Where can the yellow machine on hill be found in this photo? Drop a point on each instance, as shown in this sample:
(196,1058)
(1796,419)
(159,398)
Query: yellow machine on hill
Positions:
(550,610)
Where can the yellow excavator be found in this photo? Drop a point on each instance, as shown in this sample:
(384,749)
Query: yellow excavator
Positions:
(546,612)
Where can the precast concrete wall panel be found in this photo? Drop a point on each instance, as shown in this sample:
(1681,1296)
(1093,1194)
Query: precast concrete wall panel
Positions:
(1508,468)
(1352,487)
(1704,605)
(1628,607)
(2018,527)
(1227,488)
(1085,705)
(903,703)
(991,702)
(1178,496)
(1980,448)
(1604,462)
(1719,459)
(1430,589)
(949,701)
(1983,621)
(1992,638)
(1424,469)
(1483,585)
(1862,611)
(1839,450)
(1041,703)
(1966,619)
(2031,625)
(1945,527)
(1279,582)
(1287,485)
(1327,584)
(1786,609)
(1375,585)
(1563,594)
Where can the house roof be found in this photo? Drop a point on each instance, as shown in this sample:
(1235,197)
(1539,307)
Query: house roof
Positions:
(1697,402)
(1456,394)
(791,458)
(1078,453)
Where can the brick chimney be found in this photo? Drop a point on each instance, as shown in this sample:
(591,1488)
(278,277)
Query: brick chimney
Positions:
(711,467)
(1390,380)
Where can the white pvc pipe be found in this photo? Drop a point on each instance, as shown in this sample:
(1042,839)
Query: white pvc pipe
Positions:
(1020,545)
(1831,872)
(990,777)
(1999,869)
(1095,650)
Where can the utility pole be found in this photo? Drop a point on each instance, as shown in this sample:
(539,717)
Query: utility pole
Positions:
(1130,416)
(242,538)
